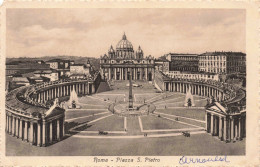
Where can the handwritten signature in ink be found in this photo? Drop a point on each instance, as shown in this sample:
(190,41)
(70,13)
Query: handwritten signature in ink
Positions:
(189,160)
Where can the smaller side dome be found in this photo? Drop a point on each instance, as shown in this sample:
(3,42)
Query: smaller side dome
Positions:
(111,50)
(139,53)
(139,50)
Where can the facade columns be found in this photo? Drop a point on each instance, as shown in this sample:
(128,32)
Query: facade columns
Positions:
(122,73)
(109,73)
(115,73)
(58,94)
(146,74)
(125,73)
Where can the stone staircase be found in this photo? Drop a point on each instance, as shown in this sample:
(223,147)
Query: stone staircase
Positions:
(103,87)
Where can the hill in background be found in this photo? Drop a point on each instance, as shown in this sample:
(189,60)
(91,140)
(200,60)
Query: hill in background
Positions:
(77,59)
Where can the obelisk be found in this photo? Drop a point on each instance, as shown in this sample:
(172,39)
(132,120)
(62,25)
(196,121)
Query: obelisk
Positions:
(130,91)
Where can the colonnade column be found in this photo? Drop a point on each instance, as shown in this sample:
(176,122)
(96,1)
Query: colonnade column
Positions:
(232,129)
(13,126)
(215,125)
(43,133)
(6,123)
(17,128)
(212,124)
(63,127)
(220,128)
(58,130)
(31,133)
(50,132)
(21,129)
(225,129)
(239,128)
(38,134)
(25,138)
(206,120)
(10,124)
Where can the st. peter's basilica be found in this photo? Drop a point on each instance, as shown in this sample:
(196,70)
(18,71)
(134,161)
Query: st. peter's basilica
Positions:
(118,64)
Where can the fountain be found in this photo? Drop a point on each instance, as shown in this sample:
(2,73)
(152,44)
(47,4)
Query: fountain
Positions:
(189,101)
(73,100)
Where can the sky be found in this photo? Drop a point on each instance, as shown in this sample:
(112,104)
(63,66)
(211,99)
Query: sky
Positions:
(91,32)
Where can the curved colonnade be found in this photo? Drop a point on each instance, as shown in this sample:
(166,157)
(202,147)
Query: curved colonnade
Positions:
(226,118)
(33,113)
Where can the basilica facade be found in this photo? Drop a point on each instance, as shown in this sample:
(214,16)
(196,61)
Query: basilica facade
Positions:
(118,64)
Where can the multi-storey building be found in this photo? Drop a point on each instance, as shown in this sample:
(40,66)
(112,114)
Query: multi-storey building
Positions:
(81,69)
(223,62)
(53,75)
(24,67)
(119,63)
(162,65)
(193,75)
(184,62)
(62,66)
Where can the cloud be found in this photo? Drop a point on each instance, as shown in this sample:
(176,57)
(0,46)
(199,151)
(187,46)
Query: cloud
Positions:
(90,32)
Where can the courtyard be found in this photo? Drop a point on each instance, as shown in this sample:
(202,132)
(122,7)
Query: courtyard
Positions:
(156,133)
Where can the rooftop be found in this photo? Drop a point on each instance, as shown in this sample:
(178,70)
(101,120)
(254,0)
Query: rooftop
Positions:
(59,60)
(45,71)
(20,79)
(182,54)
(222,53)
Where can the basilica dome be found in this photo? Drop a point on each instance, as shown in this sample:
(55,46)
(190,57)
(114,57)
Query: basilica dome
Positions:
(124,49)
(124,44)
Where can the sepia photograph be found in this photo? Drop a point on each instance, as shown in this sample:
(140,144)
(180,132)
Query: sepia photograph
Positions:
(128,85)
(125,82)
